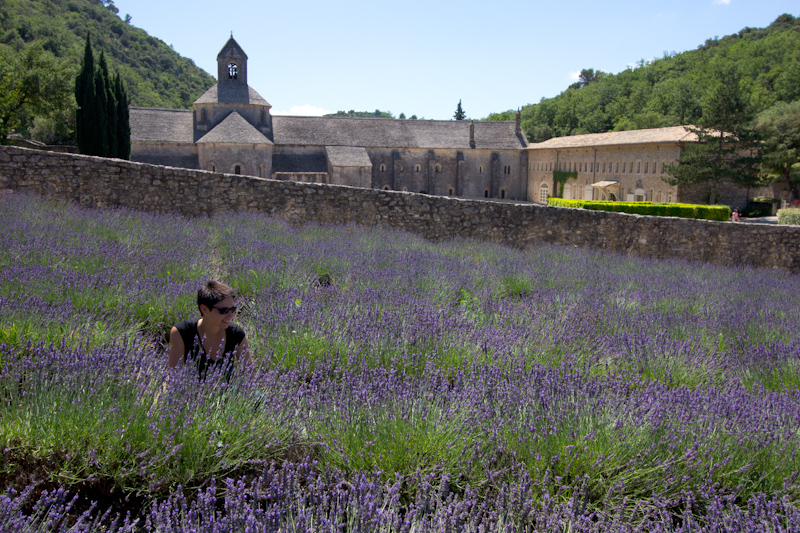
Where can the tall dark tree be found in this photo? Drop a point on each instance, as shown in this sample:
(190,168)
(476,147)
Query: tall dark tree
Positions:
(110,132)
(102,122)
(123,120)
(727,145)
(84,97)
(459,114)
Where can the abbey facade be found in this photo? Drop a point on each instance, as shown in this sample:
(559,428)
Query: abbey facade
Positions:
(230,130)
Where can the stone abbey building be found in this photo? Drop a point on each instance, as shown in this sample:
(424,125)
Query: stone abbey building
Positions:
(230,130)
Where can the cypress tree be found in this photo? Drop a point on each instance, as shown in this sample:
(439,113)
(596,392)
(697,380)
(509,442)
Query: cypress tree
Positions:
(84,96)
(110,130)
(123,120)
(99,125)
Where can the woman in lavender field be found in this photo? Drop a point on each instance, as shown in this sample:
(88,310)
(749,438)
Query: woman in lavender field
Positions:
(212,340)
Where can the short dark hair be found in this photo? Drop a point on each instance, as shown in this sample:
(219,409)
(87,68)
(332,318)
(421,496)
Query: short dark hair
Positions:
(213,292)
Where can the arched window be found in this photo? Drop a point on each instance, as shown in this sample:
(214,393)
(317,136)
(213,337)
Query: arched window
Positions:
(450,191)
(212,167)
(438,168)
(383,167)
(544,193)
(417,168)
(237,169)
(233,71)
(646,167)
(486,193)
(638,195)
(502,193)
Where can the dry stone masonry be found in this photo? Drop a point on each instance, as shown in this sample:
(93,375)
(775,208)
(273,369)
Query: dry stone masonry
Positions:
(98,182)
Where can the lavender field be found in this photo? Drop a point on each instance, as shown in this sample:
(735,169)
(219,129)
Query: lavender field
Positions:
(399,385)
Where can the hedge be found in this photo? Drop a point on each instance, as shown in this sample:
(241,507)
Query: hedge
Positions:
(789,216)
(707,212)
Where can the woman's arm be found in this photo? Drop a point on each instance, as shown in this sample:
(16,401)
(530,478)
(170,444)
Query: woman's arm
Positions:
(176,347)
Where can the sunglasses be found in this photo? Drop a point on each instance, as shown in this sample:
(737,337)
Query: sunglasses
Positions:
(226,310)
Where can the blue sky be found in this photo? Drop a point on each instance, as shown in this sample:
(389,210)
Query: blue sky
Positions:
(421,56)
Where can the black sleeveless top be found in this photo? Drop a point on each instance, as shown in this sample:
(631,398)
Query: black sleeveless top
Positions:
(193,347)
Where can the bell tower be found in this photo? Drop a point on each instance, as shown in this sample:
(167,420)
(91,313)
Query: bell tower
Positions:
(232,65)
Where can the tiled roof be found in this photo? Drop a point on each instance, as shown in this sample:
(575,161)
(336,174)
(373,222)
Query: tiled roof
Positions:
(674,134)
(234,129)
(161,125)
(394,133)
(233,94)
(348,156)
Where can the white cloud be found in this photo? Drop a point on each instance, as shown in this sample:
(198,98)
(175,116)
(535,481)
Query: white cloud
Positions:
(722,2)
(575,75)
(306,110)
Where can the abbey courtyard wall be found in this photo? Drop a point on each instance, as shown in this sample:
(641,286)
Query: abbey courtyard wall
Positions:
(98,182)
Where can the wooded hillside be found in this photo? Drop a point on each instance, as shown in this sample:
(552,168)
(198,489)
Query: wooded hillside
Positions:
(671,90)
(154,74)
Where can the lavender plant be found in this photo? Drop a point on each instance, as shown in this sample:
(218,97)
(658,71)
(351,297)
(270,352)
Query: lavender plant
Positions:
(457,385)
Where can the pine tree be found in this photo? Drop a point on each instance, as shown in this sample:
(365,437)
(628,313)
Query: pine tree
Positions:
(459,114)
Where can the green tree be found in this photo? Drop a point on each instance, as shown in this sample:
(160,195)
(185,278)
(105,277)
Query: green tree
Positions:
(459,114)
(726,147)
(123,120)
(779,127)
(32,83)
(102,118)
(84,96)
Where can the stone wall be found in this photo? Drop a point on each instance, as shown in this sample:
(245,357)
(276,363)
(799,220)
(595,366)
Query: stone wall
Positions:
(97,182)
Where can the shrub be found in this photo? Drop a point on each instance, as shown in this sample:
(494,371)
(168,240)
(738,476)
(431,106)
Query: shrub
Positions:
(706,212)
(789,216)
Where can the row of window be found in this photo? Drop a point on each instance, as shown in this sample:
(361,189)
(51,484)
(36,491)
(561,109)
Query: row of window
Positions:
(438,168)
(450,191)
(603,167)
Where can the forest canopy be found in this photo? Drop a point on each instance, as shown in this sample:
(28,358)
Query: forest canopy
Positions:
(153,73)
(670,91)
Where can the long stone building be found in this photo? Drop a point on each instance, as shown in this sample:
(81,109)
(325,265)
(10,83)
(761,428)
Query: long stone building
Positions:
(231,130)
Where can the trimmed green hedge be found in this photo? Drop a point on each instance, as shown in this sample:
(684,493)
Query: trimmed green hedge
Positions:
(789,216)
(707,212)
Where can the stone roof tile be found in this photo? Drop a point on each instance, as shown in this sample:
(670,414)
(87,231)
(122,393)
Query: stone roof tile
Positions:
(394,133)
(234,129)
(161,125)
(674,134)
(348,156)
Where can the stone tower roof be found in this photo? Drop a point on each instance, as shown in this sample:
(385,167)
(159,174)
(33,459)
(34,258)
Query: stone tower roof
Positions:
(232,49)
(234,129)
